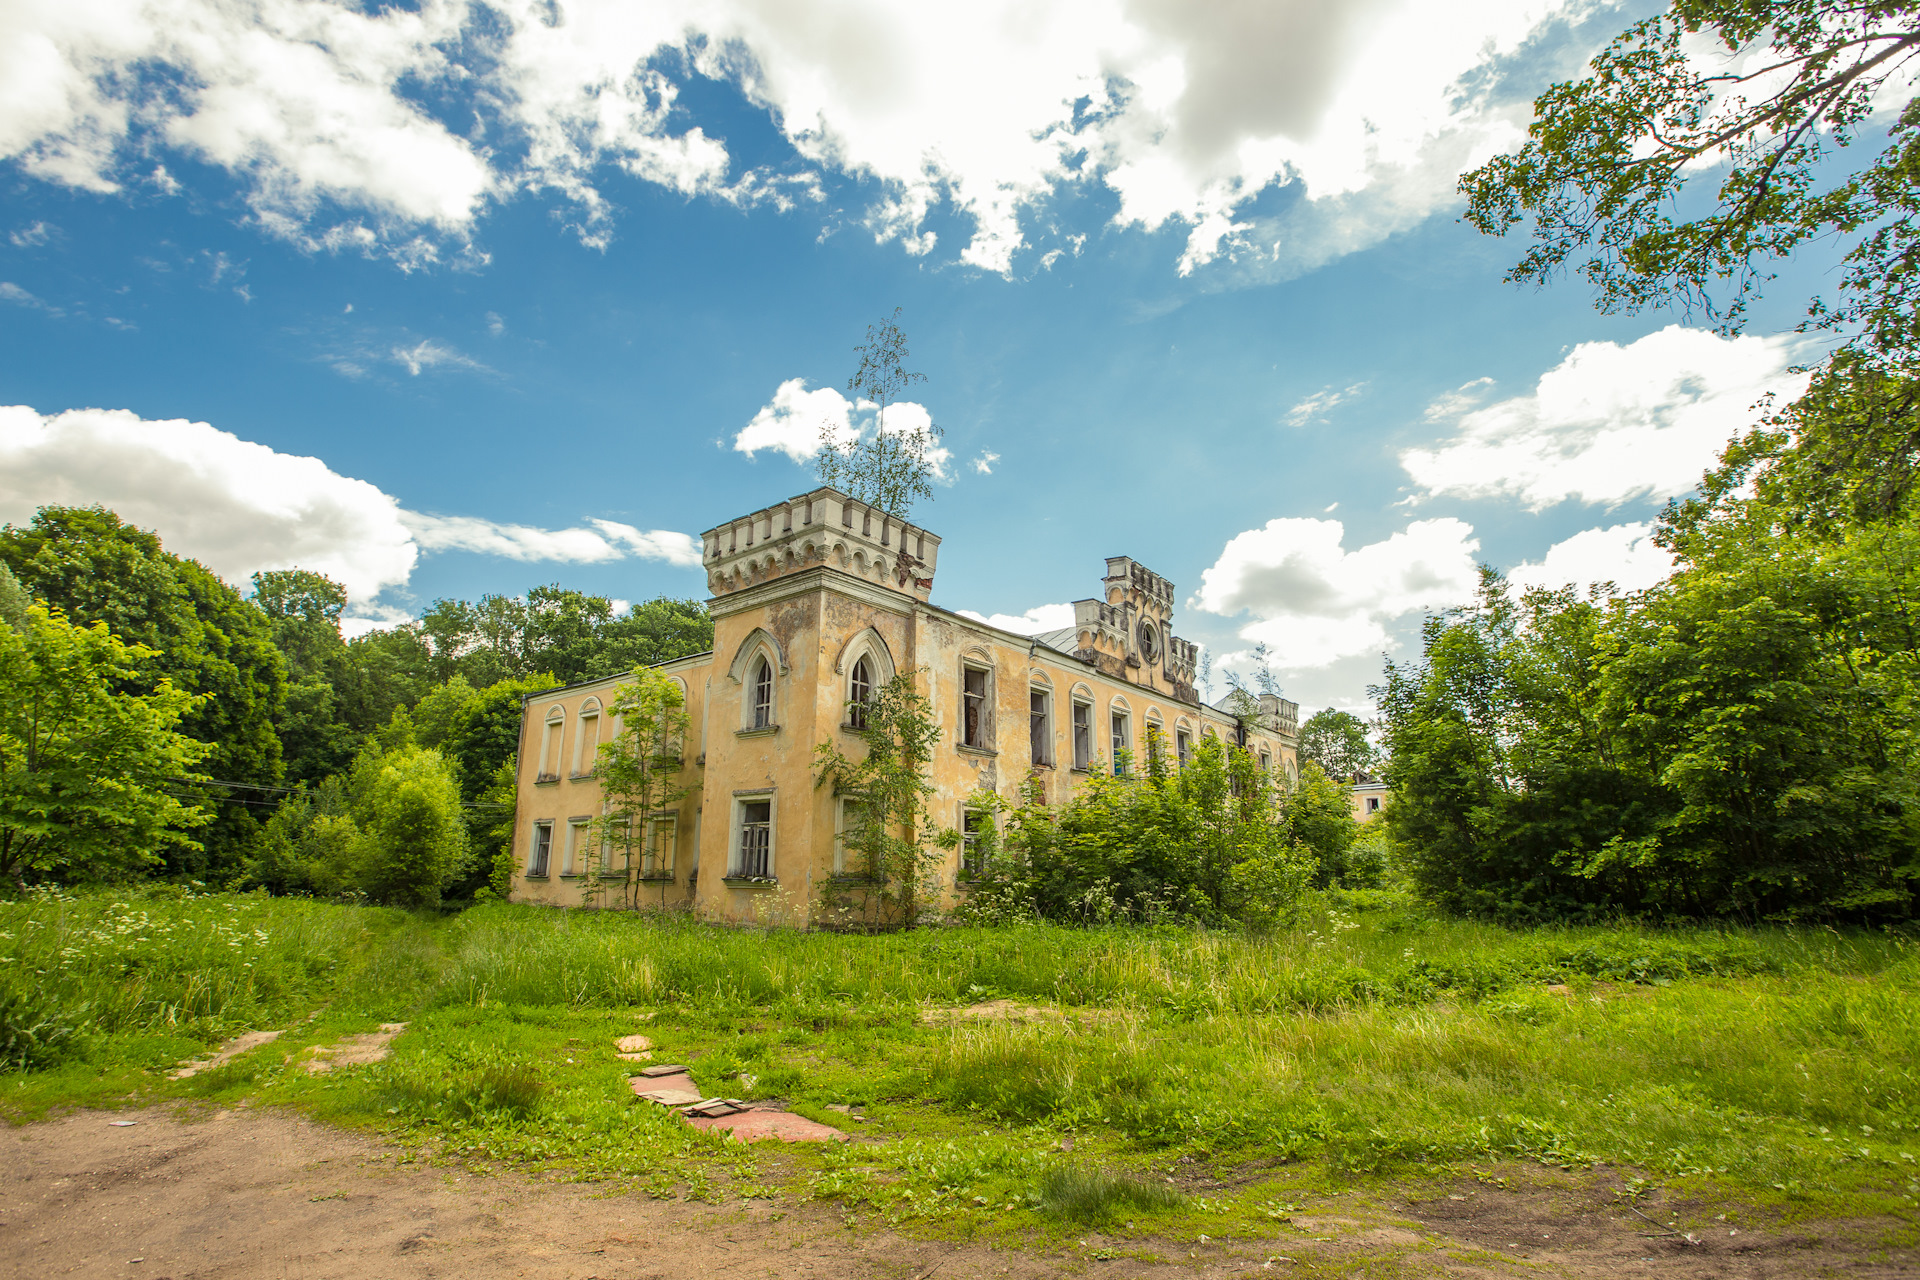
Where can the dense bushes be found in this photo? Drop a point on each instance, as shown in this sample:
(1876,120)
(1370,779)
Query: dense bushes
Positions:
(1212,840)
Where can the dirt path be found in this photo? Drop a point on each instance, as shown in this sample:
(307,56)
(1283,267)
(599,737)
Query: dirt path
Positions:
(245,1195)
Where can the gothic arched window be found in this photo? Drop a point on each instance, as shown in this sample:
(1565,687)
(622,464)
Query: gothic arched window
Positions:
(859,693)
(762,685)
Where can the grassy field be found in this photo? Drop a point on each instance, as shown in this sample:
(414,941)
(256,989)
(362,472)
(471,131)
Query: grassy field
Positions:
(1024,1080)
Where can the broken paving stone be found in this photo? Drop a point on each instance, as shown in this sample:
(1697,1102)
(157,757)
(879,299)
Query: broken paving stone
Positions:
(668,1090)
(633,1044)
(664,1069)
(711,1108)
(841,1107)
(755,1126)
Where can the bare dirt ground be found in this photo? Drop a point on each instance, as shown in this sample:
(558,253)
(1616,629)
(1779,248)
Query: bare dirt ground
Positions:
(260,1195)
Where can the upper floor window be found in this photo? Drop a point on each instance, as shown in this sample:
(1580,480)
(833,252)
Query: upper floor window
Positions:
(1082,734)
(973,707)
(550,743)
(761,684)
(1039,726)
(586,738)
(859,693)
(1266,762)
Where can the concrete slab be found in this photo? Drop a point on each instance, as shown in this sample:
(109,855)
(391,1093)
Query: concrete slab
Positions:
(667,1090)
(759,1126)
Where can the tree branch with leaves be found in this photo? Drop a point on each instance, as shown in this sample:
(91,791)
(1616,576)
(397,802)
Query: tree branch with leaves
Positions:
(890,469)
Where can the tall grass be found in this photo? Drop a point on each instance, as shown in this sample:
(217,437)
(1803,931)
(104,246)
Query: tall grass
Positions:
(197,966)
(1340,959)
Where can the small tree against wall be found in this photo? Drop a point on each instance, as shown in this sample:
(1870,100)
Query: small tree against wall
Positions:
(893,851)
(639,772)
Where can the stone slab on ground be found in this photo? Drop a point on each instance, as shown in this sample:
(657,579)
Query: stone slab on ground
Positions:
(633,1044)
(758,1126)
(674,1090)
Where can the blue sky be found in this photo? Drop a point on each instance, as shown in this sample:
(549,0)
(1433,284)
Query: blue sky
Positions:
(1187,286)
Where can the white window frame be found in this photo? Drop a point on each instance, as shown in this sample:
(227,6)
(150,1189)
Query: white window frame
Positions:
(1182,745)
(651,867)
(760,715)
(579,834)
(540,851)
(1040,725)
(1082,744)
(1119,735)
(553,738)
(981,739)
(736,863)
(586,739)
(972,865)
(857,697)
(840,828)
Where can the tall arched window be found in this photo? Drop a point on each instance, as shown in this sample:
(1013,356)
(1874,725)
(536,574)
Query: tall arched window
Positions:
(859,693)
(762,686)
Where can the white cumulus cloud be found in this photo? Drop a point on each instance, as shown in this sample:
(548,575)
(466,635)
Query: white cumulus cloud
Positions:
(1314,602)
(791,423)
(1624,555)
(1042,617)
(239,507)
(1609,423)
(394,128)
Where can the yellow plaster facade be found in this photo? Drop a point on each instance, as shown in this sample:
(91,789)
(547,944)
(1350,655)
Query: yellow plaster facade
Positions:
(808,597)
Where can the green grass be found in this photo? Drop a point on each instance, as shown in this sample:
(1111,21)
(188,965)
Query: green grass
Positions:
(1373,1042)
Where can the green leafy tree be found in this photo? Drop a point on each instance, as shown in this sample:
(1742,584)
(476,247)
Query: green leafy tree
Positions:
(1207,842)
(652,632)
(412,836)
(1316,813)
(895,849)
(88,771)
(892,468)
(639,770)
(14,600)
(1767,98)
(1337,741)
(200,634)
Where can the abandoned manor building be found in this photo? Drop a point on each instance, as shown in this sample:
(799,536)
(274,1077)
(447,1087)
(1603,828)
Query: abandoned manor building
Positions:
(817,601)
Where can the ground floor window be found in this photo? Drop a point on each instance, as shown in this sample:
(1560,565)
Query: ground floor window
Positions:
(656,860)
(575,860)
(976,829)
(848,860)
(542,851)
(1082,735)
(756,839)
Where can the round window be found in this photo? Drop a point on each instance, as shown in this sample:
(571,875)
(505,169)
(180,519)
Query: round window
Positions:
(1149,642)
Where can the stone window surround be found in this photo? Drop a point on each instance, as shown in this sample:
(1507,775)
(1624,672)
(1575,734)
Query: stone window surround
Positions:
(736,827)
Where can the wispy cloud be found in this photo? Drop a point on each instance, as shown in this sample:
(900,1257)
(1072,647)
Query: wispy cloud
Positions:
(1321,403)
(428,354)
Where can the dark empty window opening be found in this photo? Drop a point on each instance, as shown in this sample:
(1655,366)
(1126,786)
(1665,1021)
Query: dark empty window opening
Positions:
(756,837)
(1373,804)
(542,849)
(1082,735)
(1182,746)
(973,707)
(859,694)
(1039,733)
(762,693)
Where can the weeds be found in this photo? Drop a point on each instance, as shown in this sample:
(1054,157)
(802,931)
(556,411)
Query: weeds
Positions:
(1087,1194)
(1372,1040)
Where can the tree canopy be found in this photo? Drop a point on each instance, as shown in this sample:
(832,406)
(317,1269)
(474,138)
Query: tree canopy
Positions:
(1797,109)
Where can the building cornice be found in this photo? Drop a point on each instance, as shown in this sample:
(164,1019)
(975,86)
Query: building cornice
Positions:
(805,581)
